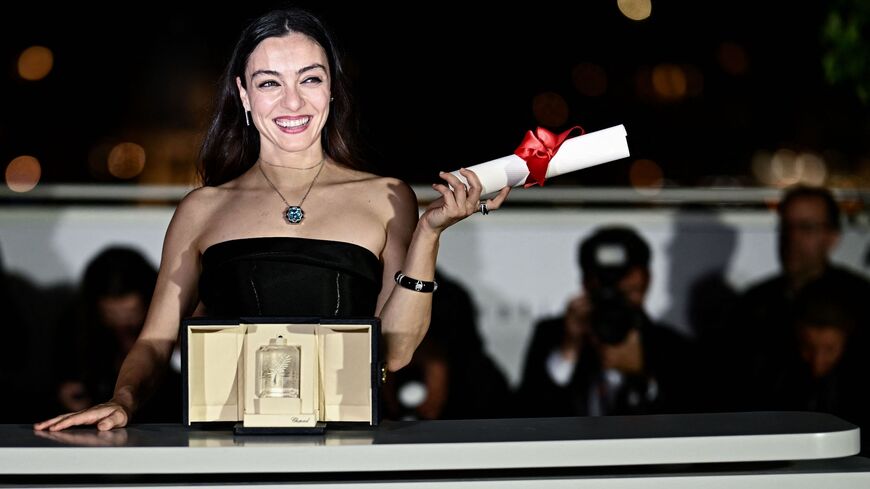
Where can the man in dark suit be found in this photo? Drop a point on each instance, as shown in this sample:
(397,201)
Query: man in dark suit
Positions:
(761,338)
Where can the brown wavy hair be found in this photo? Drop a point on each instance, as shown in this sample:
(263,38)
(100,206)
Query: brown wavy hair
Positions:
(231,146)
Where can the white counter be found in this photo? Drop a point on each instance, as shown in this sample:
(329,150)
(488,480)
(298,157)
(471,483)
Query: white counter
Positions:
(737,449)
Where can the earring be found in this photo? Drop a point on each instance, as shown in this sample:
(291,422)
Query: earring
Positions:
(247,117)
(331,99)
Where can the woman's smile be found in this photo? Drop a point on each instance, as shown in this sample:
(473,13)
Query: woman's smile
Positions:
(292,124)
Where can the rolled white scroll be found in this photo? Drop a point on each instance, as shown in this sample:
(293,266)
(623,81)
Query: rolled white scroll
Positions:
(574,154)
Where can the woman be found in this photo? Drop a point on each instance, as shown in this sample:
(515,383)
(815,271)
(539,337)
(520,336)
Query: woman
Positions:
(243,244)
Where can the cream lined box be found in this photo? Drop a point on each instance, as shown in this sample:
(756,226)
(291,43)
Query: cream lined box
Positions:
(280,372)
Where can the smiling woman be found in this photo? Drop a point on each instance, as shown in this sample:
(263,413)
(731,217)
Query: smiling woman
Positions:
(289,95)
(276,68)
(282,132)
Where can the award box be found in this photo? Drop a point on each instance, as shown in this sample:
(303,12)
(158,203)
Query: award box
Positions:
(322,371)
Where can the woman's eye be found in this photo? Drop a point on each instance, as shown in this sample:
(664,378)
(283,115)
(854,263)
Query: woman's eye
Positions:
(267,84)
(312,80)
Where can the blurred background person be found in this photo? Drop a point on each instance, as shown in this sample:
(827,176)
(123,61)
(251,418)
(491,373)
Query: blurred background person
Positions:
(109,314)
(450,376)
(14,383)
(29,313)
(826,371)
(605,355)
(757,341)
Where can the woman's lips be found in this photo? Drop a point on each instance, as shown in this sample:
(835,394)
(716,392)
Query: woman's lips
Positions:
(293,125)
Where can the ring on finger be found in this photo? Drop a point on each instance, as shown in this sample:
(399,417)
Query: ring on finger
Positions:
(483,210)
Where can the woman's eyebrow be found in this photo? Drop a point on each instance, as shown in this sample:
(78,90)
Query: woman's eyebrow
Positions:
(310,67)
(266,72)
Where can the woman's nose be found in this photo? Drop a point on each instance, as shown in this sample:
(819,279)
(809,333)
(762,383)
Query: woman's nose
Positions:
(292,99)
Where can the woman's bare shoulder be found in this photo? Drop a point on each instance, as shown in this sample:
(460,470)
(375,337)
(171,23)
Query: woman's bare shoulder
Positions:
(201,203)
(201,199)
(371,183)
(388,191)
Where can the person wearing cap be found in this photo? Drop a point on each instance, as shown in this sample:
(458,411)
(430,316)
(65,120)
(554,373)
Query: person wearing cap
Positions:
(605,355)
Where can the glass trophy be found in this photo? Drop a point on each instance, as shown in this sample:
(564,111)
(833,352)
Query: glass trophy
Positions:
(278,369)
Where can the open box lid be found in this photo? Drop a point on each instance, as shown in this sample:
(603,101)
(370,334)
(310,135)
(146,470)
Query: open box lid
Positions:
(343,376)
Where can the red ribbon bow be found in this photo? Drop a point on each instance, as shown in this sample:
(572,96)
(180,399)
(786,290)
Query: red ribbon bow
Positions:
(538,148)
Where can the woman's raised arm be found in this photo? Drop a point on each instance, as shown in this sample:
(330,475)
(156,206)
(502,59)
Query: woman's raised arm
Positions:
(412,248)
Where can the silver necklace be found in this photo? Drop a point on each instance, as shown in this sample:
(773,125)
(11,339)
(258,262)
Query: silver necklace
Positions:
(294,213)
(293,167)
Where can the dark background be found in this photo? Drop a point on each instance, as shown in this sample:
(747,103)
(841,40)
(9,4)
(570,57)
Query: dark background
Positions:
(443,85)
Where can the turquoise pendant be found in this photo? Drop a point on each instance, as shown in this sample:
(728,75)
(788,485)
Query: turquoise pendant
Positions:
(294,214)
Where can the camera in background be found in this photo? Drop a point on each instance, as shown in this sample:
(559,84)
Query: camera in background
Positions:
(606,260)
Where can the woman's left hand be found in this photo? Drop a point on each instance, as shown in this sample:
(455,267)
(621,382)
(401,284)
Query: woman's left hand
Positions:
(459,203)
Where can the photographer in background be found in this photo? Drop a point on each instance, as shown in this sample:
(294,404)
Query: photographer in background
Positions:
(605,356)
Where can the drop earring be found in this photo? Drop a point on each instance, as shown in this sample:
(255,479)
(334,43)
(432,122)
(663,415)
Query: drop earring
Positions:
(247,117)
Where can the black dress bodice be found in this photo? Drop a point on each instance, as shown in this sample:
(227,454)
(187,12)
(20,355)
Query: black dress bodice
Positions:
(285,276)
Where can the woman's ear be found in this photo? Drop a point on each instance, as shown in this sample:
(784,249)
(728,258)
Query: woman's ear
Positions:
(243,94)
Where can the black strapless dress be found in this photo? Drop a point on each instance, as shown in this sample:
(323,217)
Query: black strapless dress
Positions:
(284,276)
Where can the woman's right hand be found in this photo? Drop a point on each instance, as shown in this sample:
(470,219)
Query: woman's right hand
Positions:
(174,298)
(106,416)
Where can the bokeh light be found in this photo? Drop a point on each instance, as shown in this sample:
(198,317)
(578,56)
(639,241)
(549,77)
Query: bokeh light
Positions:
(589,79)
(23,173)
(788,167)
(761,167)
(35,63)
(732,58)
(669,81)
(550,109)
(813,169)
(784,170)
(646,177)
(635,9)
(126,160)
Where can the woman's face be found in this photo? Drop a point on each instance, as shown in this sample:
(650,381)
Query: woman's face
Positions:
(288,93)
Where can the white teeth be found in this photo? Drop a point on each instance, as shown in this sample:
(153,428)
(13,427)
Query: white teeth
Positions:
(293,122)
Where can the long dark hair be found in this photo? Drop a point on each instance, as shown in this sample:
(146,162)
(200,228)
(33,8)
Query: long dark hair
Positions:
(231,147)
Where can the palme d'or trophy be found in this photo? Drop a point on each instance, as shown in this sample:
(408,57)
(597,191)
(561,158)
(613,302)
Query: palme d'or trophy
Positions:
(278,369)
(276,392)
